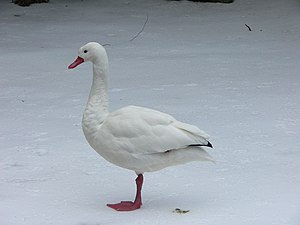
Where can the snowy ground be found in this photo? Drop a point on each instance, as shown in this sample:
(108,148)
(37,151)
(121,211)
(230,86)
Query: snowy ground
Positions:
(198,62)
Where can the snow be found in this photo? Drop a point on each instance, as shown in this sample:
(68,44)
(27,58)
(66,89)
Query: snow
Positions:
(196,61)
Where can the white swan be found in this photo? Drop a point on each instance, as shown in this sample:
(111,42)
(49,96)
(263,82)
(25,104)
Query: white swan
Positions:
(135,138)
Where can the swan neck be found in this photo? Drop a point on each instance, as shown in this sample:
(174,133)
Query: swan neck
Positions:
(98,94)
(97,106)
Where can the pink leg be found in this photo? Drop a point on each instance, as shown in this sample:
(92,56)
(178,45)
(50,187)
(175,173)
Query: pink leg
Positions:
(130,206)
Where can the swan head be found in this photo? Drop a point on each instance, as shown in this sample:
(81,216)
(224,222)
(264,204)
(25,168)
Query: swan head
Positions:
(93,52)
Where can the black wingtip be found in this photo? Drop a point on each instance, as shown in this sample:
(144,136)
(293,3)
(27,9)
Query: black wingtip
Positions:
(209,144)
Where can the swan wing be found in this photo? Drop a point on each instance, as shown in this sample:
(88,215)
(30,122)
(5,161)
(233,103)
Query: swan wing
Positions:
(140,130)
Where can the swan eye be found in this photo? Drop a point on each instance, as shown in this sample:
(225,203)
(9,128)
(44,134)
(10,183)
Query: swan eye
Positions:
(85,51)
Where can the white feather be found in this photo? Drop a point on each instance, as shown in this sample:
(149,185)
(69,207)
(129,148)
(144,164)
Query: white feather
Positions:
(132,137)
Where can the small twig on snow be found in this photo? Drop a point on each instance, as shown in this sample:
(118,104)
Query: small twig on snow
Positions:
(143,27)
(249,28)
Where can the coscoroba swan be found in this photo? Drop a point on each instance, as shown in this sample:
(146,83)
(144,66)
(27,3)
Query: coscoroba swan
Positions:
(135,138)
